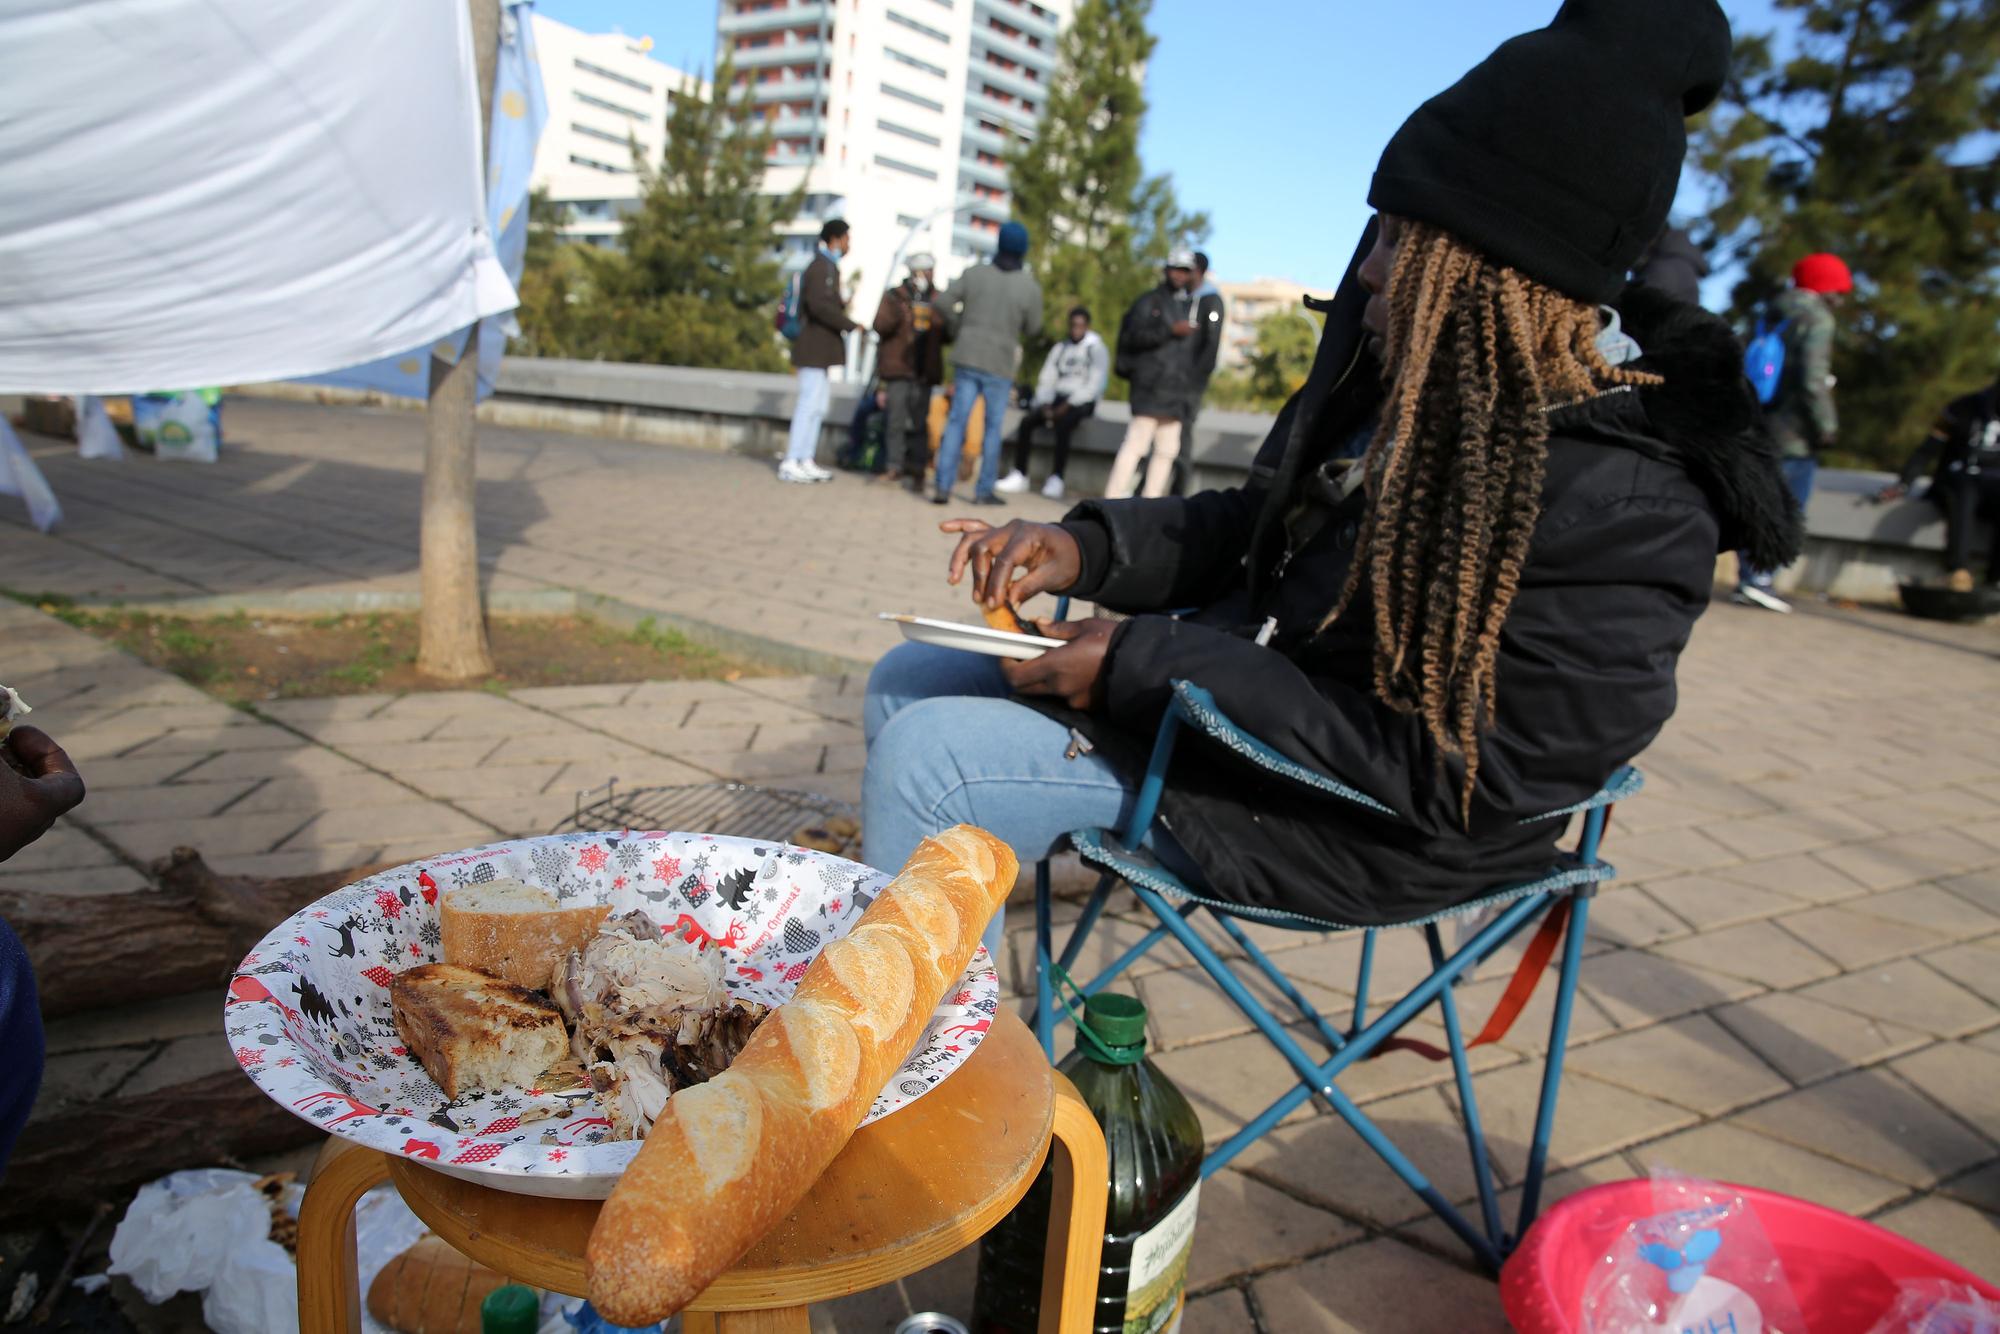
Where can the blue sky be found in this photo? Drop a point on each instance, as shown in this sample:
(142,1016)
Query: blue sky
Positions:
(1270,114)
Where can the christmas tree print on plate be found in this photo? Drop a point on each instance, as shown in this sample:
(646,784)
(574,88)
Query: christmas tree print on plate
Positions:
(307,1011)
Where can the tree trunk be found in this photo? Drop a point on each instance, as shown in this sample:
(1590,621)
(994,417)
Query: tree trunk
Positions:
(63,1165)
(452,629)
(187,935)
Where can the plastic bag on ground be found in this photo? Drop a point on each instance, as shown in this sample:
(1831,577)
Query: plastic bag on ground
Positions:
(185,426)
(20,477)
(96,437)
(1700,1264)
(1938,1306)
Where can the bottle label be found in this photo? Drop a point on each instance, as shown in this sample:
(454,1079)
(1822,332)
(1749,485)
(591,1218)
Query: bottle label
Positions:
(1159,1269)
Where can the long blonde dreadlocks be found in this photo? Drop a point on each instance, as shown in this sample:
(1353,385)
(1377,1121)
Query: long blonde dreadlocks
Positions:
(1478,354)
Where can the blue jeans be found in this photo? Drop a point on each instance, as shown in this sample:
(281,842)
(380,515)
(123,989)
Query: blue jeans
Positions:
(947,746)
(1799,475)
(808,414)
(994,389)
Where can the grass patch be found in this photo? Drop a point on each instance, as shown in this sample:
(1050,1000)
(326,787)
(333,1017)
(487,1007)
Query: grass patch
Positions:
(244,659)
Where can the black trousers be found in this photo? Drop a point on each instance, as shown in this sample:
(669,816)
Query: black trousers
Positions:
(1063,425)
(1966,500)
(907,448)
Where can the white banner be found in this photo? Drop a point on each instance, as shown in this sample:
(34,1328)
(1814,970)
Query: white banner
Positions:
(201,192)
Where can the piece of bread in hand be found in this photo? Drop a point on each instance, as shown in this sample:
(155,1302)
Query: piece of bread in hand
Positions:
(731,1157)
(432,1289)
(1004,617)
(474,1031)
(515,931)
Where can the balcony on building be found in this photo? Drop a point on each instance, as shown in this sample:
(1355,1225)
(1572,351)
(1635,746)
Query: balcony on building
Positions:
(976,135)
(982,173)
(740,16)
(1012,42)
(1015,81)
(789,86)
(979,101)
(1018,14)
(789,50)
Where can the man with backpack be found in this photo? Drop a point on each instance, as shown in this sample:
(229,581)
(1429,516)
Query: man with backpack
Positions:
(1161,354)
(1966,485)
(1790,364)
(814,317)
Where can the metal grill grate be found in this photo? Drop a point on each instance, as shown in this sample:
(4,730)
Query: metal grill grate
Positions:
(710,808)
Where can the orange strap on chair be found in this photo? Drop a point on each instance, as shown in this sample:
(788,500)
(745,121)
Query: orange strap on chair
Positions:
(1512,1001)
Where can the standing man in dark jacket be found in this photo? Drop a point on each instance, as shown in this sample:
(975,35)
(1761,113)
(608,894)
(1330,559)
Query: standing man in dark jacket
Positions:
(987,312)
(1802,417)
(1965,443)
(910,363)
(1475,623)
(1209,317)
(1160,353)
(823,324)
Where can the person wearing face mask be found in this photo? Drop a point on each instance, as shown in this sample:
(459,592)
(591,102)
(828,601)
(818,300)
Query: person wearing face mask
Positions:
(1475,622)
(910,363)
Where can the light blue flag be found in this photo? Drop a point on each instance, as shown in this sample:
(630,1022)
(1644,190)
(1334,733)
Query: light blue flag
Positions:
(520,108)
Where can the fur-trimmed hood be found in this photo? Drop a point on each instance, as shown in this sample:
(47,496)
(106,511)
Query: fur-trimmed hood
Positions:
(1703,418)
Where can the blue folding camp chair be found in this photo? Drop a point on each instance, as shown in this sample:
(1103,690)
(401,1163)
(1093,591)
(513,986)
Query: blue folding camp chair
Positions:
(1561,898)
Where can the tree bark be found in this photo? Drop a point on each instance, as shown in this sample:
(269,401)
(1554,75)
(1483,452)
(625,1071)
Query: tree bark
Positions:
(451,625)
(187,935)
(62,1165)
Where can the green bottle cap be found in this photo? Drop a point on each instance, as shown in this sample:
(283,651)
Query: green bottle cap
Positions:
(1115,1020)
(513,1309)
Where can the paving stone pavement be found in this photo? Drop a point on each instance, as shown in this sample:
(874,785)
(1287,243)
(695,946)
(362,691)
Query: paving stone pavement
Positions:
(1794,981)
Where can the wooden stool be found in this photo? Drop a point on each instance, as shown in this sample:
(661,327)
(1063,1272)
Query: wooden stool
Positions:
(906,1192)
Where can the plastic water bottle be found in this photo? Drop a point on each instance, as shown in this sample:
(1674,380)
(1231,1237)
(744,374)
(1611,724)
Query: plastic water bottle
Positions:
(1155,1145)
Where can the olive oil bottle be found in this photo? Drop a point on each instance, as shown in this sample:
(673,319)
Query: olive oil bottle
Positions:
(1155,1146)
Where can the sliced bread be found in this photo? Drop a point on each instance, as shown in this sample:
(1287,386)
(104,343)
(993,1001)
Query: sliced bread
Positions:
(515,931)
(472,1031)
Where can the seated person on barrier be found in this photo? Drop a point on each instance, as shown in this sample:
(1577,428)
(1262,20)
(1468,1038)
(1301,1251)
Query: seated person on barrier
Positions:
(1966,485)
(1477,621)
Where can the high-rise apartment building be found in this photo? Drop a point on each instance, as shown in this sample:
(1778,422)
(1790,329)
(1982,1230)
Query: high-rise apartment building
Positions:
(1248,304)
(896,115)
(605,92)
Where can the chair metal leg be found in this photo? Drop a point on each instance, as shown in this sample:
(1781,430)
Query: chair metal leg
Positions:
(1475,1133)
(1545,1115)
(1487,1252)
(1335,1039)
(1045,1024)
(1361,977)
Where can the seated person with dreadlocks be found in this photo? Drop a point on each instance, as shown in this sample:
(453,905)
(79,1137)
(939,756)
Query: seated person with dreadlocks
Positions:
(1474,622)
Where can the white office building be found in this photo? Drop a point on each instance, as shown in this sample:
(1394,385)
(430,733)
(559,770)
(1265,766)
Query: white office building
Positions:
(605,92)
(896,115)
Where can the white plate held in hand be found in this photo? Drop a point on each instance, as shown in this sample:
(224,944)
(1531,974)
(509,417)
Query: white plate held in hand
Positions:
(972,638)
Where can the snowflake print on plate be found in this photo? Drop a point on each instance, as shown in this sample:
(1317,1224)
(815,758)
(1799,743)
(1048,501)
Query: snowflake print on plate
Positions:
(310,1023)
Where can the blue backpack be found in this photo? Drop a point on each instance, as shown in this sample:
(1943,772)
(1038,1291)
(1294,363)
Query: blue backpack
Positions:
(1764,360)
(791,308)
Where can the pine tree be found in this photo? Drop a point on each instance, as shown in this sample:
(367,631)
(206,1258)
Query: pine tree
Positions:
(1871,139)
(1100,229)
(695,280)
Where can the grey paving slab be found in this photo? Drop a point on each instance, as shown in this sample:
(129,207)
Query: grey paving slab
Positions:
(1872,1120)
(1725,1151)
(1375,1288)
(1807,1041)
(1958,1232)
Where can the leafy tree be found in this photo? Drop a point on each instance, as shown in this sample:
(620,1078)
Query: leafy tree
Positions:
(552,283)
(1286,342)
(1100,228)
(695,279)
(1870,137)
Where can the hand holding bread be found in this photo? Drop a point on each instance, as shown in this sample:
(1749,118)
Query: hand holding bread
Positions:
(727,1159)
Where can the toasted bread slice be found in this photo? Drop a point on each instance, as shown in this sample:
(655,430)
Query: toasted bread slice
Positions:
(474,1031)
(515,931)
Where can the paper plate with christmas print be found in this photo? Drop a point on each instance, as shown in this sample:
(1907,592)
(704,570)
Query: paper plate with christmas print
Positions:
(308,1010)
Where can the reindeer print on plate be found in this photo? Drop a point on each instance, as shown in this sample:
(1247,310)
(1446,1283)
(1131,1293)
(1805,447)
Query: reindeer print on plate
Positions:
(308,1010)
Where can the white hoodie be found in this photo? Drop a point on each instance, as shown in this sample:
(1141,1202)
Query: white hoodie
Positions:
(1074,372)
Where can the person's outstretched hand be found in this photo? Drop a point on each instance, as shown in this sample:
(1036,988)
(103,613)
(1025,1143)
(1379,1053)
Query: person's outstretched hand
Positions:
(1073,673)
(38,783)
(1048,555)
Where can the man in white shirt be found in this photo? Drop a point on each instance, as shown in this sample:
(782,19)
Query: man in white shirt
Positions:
(1072,381)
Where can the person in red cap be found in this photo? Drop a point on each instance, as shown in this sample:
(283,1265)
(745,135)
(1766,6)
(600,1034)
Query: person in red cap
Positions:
(1801,412)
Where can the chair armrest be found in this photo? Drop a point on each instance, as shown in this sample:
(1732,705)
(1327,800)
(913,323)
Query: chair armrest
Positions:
(1625,783)
(1197,708)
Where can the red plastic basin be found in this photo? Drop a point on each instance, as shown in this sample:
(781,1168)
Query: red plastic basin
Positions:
(1843,1272)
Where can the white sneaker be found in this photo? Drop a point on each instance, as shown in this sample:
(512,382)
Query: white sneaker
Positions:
(1013,483)
(1053,488)
(1750,595)
(813,472)
(791,470)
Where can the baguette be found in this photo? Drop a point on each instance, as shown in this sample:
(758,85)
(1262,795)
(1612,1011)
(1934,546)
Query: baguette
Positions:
(512,930)
(729,1158)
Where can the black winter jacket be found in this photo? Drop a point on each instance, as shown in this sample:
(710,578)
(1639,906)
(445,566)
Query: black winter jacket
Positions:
(1166,372)
(1643,488)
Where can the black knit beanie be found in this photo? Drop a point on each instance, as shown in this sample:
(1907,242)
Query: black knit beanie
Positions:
(1559,154)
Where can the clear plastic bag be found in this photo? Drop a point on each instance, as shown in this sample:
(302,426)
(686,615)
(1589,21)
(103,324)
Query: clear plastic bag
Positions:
(96,437)
(1700,1264)
(19,476)
(185,426)
(1938,1306)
